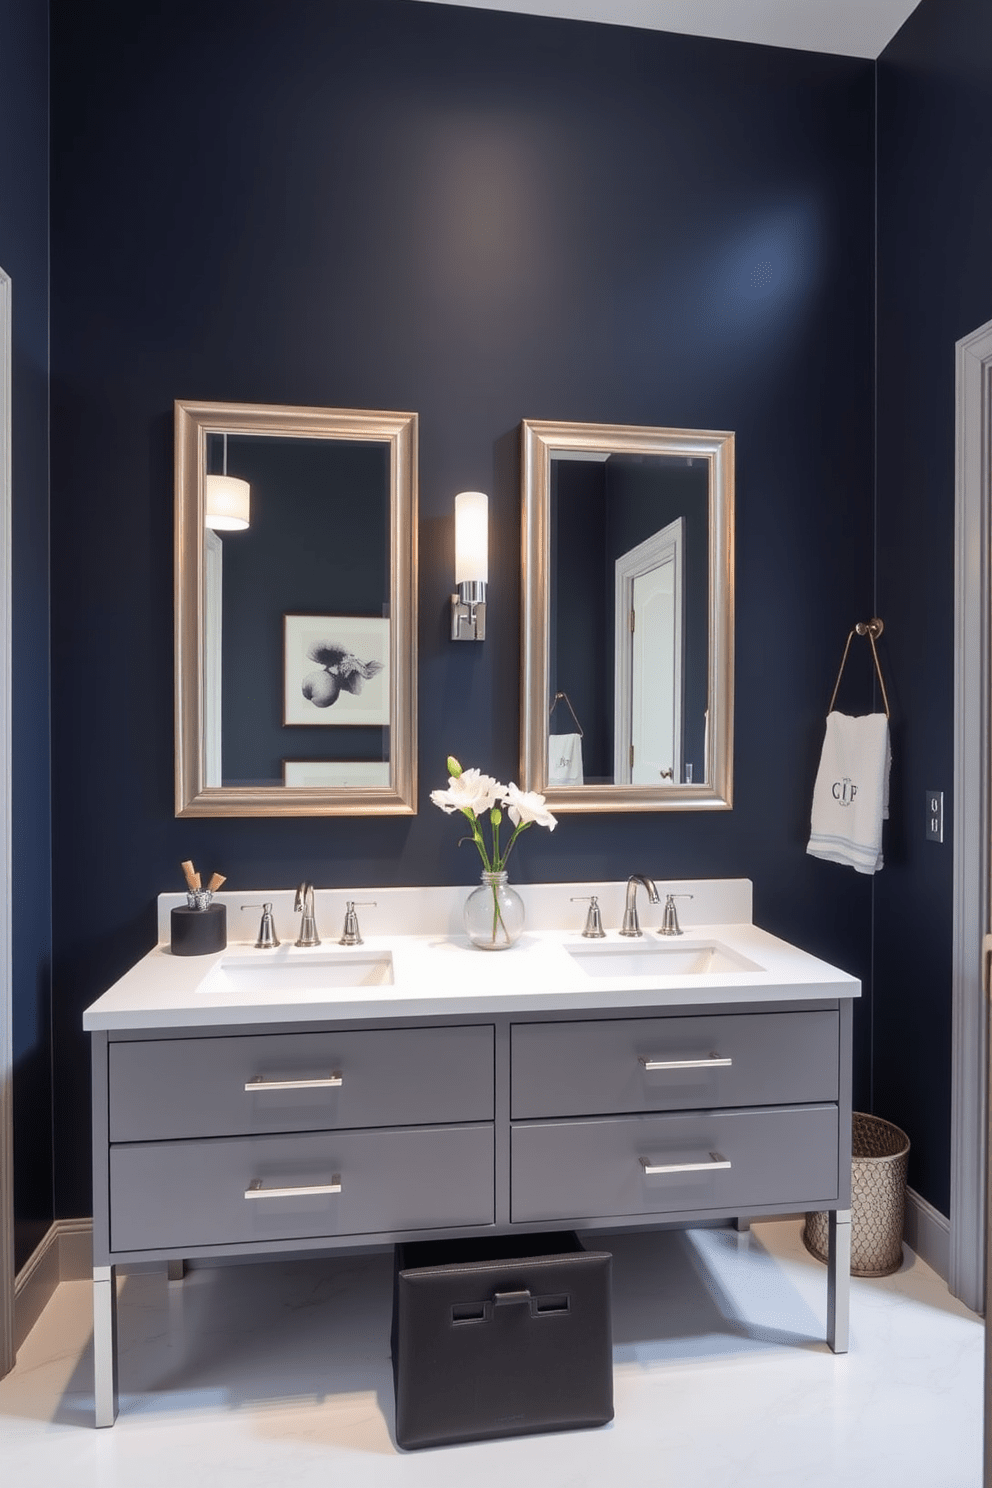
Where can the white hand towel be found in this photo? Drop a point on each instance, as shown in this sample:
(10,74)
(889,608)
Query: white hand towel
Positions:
(565,759)
(851,794)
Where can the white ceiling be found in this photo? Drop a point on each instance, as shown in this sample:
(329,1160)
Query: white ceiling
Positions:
(851,28)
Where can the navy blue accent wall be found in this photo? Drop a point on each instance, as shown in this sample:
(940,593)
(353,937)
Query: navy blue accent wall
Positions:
(483,217)
(24,256)
(934,286)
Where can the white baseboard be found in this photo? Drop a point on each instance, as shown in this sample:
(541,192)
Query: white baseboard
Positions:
(928,1232)
(65,1254)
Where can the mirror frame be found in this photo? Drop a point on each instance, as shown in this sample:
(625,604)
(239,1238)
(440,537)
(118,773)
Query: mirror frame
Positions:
(539,438)
(194,422)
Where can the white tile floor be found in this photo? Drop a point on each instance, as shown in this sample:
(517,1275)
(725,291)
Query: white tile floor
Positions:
(279,1374)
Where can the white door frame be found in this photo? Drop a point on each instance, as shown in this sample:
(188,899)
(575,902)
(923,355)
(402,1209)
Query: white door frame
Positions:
(6,1015)
(649,554)
(972,819)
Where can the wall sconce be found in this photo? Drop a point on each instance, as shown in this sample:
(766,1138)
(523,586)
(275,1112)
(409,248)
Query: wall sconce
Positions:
(228,501)
(468,606)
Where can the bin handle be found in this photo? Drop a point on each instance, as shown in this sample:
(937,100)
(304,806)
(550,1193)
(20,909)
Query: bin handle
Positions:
(502,1299)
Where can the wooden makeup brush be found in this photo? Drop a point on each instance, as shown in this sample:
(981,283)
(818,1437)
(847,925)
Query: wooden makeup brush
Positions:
(192,877)
(216,879)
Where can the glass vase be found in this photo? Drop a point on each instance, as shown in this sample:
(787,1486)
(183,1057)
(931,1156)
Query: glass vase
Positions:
(494,914)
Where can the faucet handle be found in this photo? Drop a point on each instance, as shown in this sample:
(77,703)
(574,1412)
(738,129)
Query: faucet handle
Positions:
(267,937)
(670,919)
(594,920)
(352,936)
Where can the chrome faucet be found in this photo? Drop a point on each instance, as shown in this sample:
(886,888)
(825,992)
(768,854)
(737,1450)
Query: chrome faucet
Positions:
(630,924)
(308,926)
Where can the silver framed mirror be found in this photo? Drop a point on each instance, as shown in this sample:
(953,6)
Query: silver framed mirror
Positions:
(295,611)
(627,607)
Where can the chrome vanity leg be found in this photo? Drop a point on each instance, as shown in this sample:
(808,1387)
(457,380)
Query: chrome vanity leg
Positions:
(742,1225)
(176,1270)
(838,1279)
(105,1344)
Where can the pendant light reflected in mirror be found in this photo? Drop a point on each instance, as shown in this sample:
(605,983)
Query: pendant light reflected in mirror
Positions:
(228,501)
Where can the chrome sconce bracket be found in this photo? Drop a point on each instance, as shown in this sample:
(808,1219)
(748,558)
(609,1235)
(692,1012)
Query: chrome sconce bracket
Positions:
(468,612)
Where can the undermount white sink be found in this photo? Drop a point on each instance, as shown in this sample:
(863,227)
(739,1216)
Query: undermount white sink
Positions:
(695,958)
(264,972)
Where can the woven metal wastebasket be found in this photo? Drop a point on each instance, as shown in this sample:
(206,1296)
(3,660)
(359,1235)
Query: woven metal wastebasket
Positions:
(880,1153)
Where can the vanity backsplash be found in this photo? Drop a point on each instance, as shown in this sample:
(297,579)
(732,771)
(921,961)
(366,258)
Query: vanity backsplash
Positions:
(438,910)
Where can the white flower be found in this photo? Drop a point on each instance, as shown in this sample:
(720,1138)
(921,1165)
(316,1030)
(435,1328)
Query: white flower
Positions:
(528,806)
(469,791)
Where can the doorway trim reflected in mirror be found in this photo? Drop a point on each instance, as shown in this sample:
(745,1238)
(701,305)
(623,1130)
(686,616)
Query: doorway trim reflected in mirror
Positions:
(540,441)
(195,613)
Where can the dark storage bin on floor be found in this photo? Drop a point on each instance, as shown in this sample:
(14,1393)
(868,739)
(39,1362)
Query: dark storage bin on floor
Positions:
(500,1337)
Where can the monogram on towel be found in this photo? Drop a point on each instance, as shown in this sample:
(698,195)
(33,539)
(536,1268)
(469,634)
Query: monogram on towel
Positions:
(851,794)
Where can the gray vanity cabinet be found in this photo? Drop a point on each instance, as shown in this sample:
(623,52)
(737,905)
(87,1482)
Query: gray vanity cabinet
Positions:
(248,1138)
(300,1186)
(239,1084)
(675,1063)
(249,1141)
(656,1166)
(709,1111)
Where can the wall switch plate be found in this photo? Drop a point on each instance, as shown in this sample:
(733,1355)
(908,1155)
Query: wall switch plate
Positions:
(935,816)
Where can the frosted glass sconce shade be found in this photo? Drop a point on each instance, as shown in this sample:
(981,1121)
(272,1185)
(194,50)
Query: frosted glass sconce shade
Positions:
(471,537)
(228,502)
(468,606)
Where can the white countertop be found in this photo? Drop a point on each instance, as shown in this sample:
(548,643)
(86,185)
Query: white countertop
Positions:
(439,972)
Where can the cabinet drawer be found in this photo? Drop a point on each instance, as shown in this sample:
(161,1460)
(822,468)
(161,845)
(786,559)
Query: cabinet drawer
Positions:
(587,1069)
(592,1169)
(167,1088)
(168,1194)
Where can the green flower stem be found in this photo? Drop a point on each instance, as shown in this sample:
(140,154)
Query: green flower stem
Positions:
(497,916)
(498,921)
(520,827)
(493,861)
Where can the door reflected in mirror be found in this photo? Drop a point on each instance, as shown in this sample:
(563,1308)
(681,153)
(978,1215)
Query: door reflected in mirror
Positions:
(627,616)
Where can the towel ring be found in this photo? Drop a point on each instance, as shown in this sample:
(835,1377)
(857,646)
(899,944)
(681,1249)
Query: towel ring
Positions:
(564,696)
(872,629)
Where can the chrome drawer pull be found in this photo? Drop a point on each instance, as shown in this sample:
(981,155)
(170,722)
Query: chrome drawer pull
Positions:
(715,1161)
(712,1061)
(256,1190)
(324,1083)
